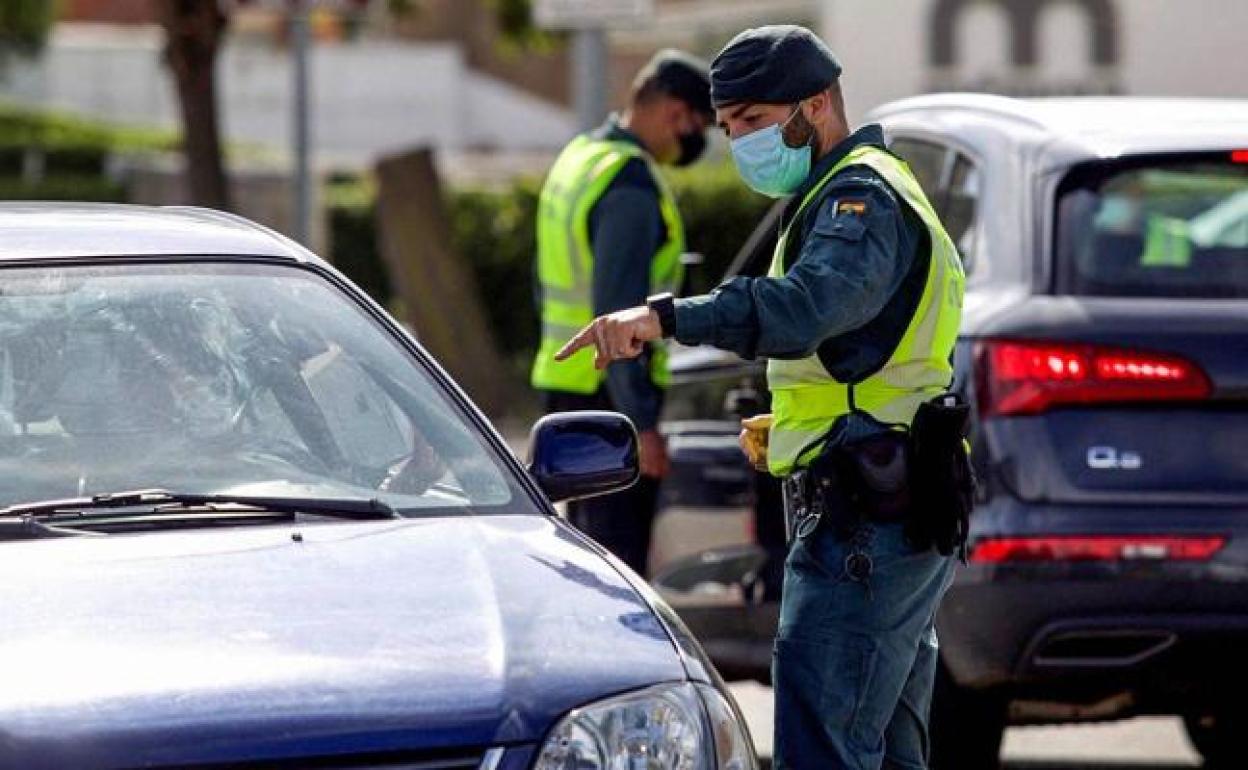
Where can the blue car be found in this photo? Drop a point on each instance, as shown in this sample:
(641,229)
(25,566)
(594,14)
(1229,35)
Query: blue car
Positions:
(247,522)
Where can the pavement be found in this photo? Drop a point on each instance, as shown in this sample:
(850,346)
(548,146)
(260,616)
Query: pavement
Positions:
(1149,743)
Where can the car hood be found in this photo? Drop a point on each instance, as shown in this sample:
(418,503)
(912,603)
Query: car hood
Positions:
(205,646)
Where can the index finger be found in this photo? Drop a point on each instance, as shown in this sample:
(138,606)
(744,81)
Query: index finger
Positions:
(583,339)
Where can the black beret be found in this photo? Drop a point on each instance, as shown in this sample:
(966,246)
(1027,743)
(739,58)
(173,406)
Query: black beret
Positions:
(681,75)
(779,64)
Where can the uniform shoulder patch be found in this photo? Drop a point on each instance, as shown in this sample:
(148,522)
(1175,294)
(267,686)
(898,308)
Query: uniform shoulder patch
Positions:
(854,206)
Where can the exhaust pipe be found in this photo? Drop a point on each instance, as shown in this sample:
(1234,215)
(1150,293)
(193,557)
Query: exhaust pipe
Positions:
(1109,648)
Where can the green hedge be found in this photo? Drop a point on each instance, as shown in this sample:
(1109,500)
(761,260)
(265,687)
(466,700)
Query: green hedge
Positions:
(21,128)
(719,212)
(63,188)
(74,151)
(493,229)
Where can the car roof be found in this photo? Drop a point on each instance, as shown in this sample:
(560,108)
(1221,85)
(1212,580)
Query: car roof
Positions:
(1088,126)
(75,230)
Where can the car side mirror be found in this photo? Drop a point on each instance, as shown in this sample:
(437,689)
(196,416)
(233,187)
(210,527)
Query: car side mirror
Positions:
(574,455)
(742,402)
(692,262)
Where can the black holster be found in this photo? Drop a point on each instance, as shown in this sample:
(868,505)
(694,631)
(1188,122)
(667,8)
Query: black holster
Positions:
(851,484)
(921,476)
(872,474)
(941,476)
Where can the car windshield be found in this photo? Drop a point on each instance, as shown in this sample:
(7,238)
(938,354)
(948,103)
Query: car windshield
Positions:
(224,378)
(1164,227)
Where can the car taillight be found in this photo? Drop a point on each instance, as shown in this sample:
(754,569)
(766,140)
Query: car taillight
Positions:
(1096,548)
(1017,377)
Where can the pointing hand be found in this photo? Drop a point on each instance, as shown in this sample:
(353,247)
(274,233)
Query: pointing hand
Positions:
(615,336)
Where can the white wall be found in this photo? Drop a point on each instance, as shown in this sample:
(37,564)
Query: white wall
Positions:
(1166,48)
(369,98)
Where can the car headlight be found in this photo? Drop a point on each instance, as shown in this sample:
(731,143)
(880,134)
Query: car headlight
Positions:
(667,727)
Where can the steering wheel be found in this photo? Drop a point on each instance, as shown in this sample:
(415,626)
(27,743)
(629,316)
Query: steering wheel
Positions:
(414,472)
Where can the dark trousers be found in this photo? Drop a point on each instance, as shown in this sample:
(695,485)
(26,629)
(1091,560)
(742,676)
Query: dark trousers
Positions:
(621,522)
(854,663)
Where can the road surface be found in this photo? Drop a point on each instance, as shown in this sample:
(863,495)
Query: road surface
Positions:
(1152,743)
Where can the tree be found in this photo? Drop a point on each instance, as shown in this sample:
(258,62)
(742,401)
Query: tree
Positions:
(515,24)
(24,26)
(194,30)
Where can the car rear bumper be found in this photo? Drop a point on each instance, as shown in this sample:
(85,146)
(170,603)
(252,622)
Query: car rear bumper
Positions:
(1163,632)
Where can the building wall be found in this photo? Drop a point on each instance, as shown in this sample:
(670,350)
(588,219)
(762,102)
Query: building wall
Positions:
(474,26)
(369,98)
(111,11)
(893,48)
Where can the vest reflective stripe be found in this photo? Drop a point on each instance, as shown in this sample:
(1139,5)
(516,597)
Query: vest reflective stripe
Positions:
(807,400)
(565,261)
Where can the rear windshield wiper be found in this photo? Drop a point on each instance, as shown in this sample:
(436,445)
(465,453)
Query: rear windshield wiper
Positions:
(162,501)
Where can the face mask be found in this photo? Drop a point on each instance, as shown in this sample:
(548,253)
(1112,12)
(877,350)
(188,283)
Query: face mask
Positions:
(692,145)
(767,164)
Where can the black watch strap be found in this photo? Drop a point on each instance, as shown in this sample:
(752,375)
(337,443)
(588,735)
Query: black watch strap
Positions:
(664,306)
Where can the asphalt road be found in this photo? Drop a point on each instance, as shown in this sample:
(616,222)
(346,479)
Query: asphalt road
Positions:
(1134,744)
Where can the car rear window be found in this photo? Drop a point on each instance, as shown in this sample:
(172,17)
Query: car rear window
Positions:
(1162,226)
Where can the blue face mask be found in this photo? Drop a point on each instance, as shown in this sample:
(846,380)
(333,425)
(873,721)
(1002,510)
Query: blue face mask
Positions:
(767,164)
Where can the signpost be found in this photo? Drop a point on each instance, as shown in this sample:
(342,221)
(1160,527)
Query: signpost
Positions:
(589,21)
(591,14)
(300,42)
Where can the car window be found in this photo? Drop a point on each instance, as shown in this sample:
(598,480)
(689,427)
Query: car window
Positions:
(959,207)
(927,161)
(1165,226)
(220,378)
(952,183)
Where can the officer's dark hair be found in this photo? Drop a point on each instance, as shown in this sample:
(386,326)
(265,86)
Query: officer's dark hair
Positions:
(837,99)
(646,88)
(838,103)
(673,74)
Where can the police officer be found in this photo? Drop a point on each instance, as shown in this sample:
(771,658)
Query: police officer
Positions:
(858,317)
(609,234)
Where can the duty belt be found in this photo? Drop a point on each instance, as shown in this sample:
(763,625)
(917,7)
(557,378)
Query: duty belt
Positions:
(806,500)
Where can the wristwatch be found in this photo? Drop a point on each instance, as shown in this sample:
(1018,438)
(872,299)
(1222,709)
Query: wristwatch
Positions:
(664,306)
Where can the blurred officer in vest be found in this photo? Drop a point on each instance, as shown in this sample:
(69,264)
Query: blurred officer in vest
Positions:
(609,235)
(858,317)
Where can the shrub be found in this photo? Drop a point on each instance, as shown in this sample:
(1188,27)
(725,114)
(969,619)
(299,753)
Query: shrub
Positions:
(21,128)
(719,212)
(63,188)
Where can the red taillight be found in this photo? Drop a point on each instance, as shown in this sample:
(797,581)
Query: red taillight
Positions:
(1029,377)
(1239,156)
(1096,548)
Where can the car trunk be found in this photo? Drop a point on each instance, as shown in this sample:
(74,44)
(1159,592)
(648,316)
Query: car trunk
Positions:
(1147,445)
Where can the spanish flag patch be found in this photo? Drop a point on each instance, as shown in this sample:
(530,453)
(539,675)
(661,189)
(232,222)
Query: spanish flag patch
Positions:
(858,207)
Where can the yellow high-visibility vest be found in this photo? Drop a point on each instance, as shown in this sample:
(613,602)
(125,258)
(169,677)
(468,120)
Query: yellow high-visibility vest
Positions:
(565,261)
(807,400)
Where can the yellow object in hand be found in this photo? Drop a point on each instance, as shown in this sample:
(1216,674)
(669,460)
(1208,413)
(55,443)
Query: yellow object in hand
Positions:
(754,433)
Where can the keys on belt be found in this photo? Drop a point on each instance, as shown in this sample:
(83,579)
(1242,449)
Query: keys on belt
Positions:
(804,509)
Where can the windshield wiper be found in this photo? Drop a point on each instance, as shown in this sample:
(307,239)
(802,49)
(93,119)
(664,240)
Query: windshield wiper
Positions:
(159,499)
(30,528)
